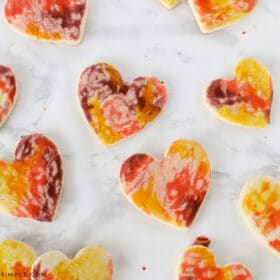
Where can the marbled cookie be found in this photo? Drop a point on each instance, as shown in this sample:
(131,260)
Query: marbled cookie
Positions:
(59,21)
(115,109)
(170,4)
(8,93)
(91,263)
(31,185)
(213,15)
(245,100)
(260,207)
(16,260)
(199,263)
(171,190)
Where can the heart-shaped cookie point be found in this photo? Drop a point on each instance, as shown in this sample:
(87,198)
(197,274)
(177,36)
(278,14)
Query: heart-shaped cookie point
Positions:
(199,263)
(171,190)
(170,4)
(260,207)
(91,263)
(212,15)
(245,100)
(31,186)
(16,260)
(58,21)
(8,93)
(115,109)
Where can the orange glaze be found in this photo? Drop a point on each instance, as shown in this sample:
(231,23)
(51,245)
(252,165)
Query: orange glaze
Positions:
(209,6)
(198,262)
(215,14)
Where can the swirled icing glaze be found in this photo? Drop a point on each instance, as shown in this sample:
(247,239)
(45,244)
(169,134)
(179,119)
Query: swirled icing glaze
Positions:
(30,186)
(115,109)
(171,190)
(199,262)
(50,20)
(245,100)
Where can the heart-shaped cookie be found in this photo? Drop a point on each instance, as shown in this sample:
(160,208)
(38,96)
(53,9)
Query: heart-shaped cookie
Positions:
(171,190)
(115,109)
(213,15)
(8,93)
(30,186)
(246,100)
(16,260)
(91,263)
(260,207)
(170,4)
(199,263)
(59,21)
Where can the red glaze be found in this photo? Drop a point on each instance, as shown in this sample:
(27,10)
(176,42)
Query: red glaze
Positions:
(7,92)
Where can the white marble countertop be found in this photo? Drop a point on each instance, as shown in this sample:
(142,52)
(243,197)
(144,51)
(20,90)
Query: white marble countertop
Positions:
(144,38)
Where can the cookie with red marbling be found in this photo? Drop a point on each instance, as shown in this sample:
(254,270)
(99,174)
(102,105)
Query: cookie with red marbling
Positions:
(199,263)
(246,100)
(16,260)
(171,190)
(31,185)
(260,208)
(8,93)
(213,15)
(91,263)
(58,21)
(115,109)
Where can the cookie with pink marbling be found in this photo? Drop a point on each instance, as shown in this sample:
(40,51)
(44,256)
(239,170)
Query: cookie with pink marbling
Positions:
(115,109)
(8,93)
(171,190)
(58,21)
